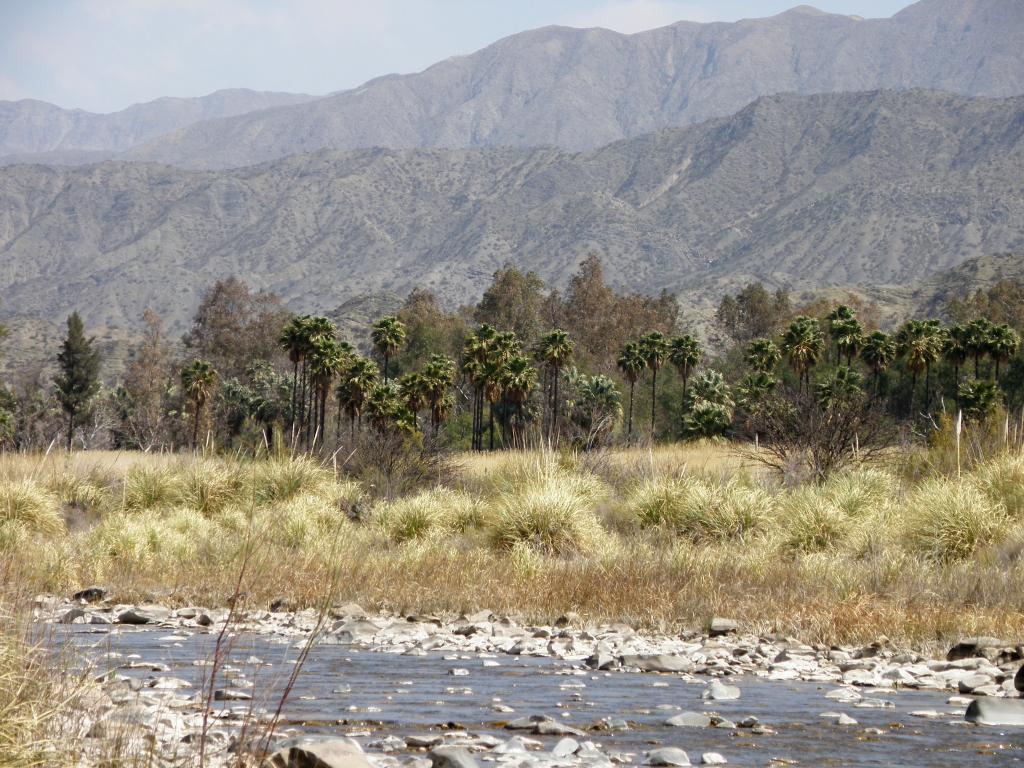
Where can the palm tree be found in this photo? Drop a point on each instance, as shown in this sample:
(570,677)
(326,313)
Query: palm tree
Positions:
(685,354)
(838,320)
(518,378)
(878,352)
(803,344)
(920,343)
(198,380)
(327,358)
(358,380)
(654,347)
(709,406)
(439,376)
(954,349)
(839,388)
(978,341)
(476,350)
(384,406)
(632,363)
(1003,345)
(388,337)
(847,335)
(412,389)
(292,340)
(554,350)
(763,355)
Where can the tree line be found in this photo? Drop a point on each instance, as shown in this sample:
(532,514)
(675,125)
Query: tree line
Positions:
(587,366)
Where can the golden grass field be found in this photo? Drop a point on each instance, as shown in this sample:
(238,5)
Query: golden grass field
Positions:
(660,538)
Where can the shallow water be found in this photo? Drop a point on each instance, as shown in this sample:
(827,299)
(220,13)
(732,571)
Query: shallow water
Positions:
(343,690)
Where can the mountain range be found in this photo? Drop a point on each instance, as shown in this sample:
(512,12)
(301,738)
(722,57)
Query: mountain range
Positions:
(34,131)
(576,89)
(804,191)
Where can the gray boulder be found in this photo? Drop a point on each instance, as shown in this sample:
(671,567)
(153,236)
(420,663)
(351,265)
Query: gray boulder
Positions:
(993,711)
(720,692)
(318,753)
(90,594)
(1018,679)
(143,614)
(451,757)
(969,647)
(720,626)
(671,756)
(689,720)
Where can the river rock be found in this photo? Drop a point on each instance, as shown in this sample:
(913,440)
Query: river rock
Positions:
(72,616)
(659,662)
(969,683)
(689,720)
(146,614)
(671,756)
(712,758)
(231,694)
(969,647)
(720,626)
(565,747)
(90,594)
(1018,679)
(720,692)
(551,727)
(424,740)
(602,657)
(992,711)
(318,753)
(451,757)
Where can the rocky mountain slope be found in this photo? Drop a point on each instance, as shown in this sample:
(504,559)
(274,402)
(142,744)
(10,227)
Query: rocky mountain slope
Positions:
(582,88)
(36,131)
(805,191)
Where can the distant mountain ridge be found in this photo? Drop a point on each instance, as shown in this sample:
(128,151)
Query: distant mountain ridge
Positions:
(803,191)
(579,89)
(72,136)
(576,89)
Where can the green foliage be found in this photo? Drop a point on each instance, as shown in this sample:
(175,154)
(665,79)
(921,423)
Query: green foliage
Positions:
(78,380)
(708,406)
(979,398)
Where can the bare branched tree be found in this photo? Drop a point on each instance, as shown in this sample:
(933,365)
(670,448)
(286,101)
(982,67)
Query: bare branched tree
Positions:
(800,431)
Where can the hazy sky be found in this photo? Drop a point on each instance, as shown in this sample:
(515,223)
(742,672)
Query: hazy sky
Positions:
(103,55)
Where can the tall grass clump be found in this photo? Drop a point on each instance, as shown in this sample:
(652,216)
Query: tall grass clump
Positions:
(151,487)
(27,507)
(1002,480)
(947,520)
(702,509)
(550,517)
(283,478)
(812,521)
(439,511)
(209,486)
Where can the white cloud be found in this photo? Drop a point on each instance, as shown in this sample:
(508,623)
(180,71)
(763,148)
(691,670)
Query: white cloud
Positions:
(629,16)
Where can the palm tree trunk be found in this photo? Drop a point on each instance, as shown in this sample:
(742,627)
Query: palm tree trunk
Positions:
(913,392)
(490,419)
(195,428)
(71,429)
(295,384)
(632,387)
(386,366)
(654,393)
(554,408)
(977,362)
(927,386)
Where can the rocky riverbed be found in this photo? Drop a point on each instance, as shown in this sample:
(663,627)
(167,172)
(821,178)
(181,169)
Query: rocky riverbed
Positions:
(383,689)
